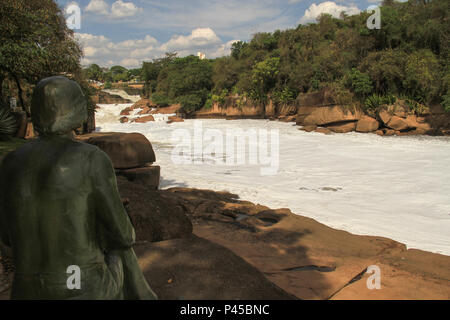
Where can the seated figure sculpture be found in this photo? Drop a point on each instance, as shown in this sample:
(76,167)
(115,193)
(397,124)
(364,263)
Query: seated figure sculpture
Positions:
(60,209)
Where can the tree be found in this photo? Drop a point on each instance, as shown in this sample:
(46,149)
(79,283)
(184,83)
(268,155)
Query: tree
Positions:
(35,42)
(186,80)
(94,72)
(263,76)
(359,82)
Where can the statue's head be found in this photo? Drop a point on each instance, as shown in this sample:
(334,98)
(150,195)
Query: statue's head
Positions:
(58,106)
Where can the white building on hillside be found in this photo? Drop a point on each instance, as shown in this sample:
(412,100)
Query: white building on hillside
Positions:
(201,55)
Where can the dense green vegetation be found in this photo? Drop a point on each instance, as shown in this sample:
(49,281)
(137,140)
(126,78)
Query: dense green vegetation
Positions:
(407,58)
(111,75)
(35,43)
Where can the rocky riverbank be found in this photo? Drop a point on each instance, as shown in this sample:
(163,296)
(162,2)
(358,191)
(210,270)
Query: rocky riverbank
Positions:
(319,112)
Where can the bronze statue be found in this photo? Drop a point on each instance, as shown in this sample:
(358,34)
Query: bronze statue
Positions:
(60,209)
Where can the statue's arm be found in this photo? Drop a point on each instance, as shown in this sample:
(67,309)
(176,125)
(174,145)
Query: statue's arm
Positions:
(114,221)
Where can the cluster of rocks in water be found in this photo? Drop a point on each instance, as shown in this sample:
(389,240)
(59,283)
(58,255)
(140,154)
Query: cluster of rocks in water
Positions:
(389,120)
(146,112)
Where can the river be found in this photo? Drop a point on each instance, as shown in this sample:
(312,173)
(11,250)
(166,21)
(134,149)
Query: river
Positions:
(394,187)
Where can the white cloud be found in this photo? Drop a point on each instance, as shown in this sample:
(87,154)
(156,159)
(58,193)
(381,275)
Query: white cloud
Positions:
(119,9)
(131,53)
(327,7)
(200,37)
(97,6)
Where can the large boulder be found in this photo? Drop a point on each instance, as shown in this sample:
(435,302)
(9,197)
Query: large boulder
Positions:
(126,150)
(367,124)
(148,176)
(397,123)
(326,115)
(323,97)
(343,127)
(385,116)
(155,215)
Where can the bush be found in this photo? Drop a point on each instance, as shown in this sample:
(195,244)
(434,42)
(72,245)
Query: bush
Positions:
(360,83)
(191,102)
(160,99)
(373,102)
(108,85)
(446,102)
(8,124)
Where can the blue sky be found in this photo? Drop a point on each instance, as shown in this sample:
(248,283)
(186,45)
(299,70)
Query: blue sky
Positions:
(128,32)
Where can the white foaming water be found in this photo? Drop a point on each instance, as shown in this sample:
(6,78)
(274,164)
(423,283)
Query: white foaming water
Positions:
(395,187)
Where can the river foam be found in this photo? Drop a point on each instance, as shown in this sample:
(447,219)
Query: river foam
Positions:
(395,187)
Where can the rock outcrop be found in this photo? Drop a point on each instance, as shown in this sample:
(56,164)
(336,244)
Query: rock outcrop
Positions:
(126,150)
(102,97)
(321,116)
(132,155)
(173,119)
(310,260)
(155,216)
(144,119)
(367,124)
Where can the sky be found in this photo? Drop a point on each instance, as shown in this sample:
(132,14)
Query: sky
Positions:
(127,32)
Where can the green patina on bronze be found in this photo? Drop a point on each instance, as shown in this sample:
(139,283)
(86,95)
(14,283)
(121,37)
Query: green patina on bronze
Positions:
(60,206)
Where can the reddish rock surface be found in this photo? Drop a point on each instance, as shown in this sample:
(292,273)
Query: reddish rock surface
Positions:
(311,260)
(167,110)
(323,130)
(145,110)
(397,123)
(123,119)
(367,124)
(175,119)
(343,127)
(144,119)
(308,128)
(326,115)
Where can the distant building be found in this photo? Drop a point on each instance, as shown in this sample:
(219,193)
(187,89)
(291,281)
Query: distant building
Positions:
(201,55)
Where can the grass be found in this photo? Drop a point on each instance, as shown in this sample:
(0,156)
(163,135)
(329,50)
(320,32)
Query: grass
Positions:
(10,145)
